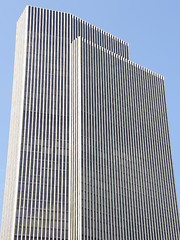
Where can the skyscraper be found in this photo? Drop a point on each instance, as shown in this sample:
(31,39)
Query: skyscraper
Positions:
(89,148)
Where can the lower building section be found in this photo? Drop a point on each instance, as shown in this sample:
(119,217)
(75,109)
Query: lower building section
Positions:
(121,163)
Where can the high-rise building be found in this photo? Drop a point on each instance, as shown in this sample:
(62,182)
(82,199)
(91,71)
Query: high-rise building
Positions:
(89,148)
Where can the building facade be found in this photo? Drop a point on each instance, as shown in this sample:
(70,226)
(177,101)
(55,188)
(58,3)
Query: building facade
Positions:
(89,152)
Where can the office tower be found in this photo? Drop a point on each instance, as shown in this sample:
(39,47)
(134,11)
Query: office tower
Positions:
(89,148)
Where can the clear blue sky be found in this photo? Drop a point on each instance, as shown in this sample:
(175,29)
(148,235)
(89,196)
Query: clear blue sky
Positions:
(150,27)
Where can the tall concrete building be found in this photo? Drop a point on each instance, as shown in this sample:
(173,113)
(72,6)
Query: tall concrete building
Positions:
(89,148)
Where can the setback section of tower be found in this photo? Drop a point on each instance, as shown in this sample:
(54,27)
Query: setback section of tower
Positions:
(122,173)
